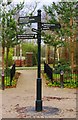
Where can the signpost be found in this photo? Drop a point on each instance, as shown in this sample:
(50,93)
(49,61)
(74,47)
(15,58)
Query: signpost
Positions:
(27,36)
(27,19)
(34,30)
(49,26)
(39,80)
(40,26)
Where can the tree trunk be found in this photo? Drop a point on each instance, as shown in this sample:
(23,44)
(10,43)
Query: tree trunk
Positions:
(7,53)
(54,57)
(77,54)
(71,46)
(3,51)
(77,43)
(47,54)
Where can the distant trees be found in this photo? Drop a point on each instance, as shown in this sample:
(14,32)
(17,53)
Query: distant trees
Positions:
(9,30)
(65,14)
(9,26)
(53,40)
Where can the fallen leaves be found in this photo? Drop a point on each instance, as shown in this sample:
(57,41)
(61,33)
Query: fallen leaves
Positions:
(51,98)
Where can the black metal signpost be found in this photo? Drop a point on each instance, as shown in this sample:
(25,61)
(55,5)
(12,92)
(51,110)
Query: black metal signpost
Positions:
(40,26)
(27,36)
(48,26)
(27,19)
(39,81)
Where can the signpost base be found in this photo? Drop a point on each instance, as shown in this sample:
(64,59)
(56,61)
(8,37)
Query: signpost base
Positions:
(3,85)
(38,105)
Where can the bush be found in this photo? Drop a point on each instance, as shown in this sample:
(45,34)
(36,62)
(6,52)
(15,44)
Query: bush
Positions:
(62,65)
(76,68)
(7,72)
(10,59)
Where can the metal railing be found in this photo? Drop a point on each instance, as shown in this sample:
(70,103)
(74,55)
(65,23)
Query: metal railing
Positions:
(66,79)
(9,75)
(12,73)
(48,70)
(63,78)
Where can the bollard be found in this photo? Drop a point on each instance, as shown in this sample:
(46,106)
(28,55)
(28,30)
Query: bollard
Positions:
(3,85)
(61,78)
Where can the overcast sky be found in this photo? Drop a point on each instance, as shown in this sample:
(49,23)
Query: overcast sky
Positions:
(46,2)
(40,4)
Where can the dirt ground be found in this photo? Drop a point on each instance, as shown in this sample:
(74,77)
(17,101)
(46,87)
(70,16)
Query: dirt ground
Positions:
(19,102)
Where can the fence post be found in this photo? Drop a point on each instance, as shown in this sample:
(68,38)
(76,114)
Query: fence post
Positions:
(44,68)
(61,78)
(14,68)
(49,71)
(12,73)
(3,84)
(52,76)
(11,77)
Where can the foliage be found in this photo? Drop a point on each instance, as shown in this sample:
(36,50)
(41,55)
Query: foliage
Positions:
(10,25)
(53,40)
(62,65)
(7,72)
(10,58)
(7,82)
(64,13)
(30,47)
(14,80)
(9,30)
(68,83)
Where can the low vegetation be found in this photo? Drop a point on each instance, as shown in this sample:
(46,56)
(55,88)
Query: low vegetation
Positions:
(68,83)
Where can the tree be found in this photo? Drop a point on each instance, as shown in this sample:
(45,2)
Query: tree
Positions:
(77,35)
(65,14)
(11,30)
(53,40)
(8,30)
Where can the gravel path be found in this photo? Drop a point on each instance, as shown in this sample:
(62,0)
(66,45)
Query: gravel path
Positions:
(19,102)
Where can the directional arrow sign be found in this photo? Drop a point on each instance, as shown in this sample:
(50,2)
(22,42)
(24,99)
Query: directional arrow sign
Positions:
(27,19)
(27,36)
(49,26)
(34,30)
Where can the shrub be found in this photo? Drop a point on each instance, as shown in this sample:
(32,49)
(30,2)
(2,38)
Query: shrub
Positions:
(10,60)
(7,72)
(62,65)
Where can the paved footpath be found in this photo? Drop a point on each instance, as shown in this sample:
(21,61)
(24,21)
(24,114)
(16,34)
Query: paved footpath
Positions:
(19,102)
